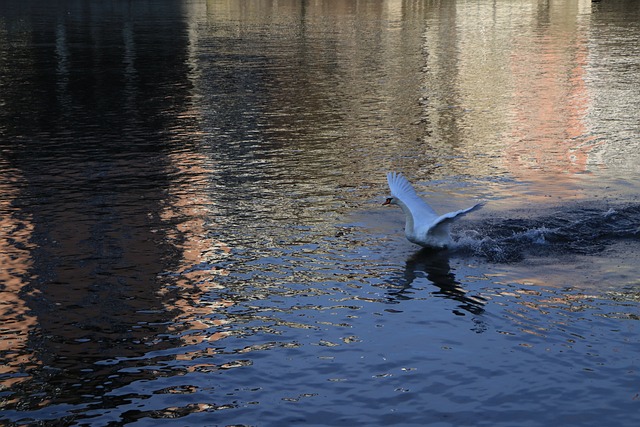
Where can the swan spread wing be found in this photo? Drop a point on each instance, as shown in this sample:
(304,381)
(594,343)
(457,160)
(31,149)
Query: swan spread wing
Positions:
(424,226)
(448,218)
(404,191)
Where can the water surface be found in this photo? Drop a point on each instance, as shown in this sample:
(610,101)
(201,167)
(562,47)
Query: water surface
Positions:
(192,231)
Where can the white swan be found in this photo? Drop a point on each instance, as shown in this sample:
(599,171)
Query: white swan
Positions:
(423,226)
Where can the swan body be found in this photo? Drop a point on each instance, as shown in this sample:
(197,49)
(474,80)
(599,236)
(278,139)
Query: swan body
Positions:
(423,225)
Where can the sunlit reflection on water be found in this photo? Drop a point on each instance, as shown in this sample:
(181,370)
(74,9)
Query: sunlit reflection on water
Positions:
(192,230)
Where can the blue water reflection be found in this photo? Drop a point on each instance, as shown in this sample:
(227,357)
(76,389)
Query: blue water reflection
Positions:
(191,229)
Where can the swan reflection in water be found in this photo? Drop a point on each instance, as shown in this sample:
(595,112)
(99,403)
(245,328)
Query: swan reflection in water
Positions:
(434,266)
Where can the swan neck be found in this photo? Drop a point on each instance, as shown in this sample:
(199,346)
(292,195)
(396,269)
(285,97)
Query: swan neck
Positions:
(408,228)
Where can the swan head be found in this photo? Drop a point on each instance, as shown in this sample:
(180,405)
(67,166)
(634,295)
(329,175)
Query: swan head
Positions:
(390,201)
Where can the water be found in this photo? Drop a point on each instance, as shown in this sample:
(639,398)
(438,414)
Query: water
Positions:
(192,231)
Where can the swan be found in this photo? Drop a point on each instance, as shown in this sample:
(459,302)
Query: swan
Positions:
(423,225)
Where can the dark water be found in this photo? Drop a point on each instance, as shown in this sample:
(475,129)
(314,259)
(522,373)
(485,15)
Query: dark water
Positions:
(191,229)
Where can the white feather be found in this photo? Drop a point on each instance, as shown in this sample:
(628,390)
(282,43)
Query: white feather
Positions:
(423,225)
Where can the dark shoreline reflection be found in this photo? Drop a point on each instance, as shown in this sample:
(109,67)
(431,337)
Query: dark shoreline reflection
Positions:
(434,265)
(96,101)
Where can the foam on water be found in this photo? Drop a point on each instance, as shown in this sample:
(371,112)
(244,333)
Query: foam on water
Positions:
(585,229)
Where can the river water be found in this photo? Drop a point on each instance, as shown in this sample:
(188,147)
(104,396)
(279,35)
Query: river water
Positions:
(192,231)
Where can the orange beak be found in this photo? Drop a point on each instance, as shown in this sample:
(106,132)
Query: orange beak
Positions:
(387,202)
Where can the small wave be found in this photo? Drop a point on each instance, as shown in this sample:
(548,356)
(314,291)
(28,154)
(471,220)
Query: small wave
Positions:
(583,230)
